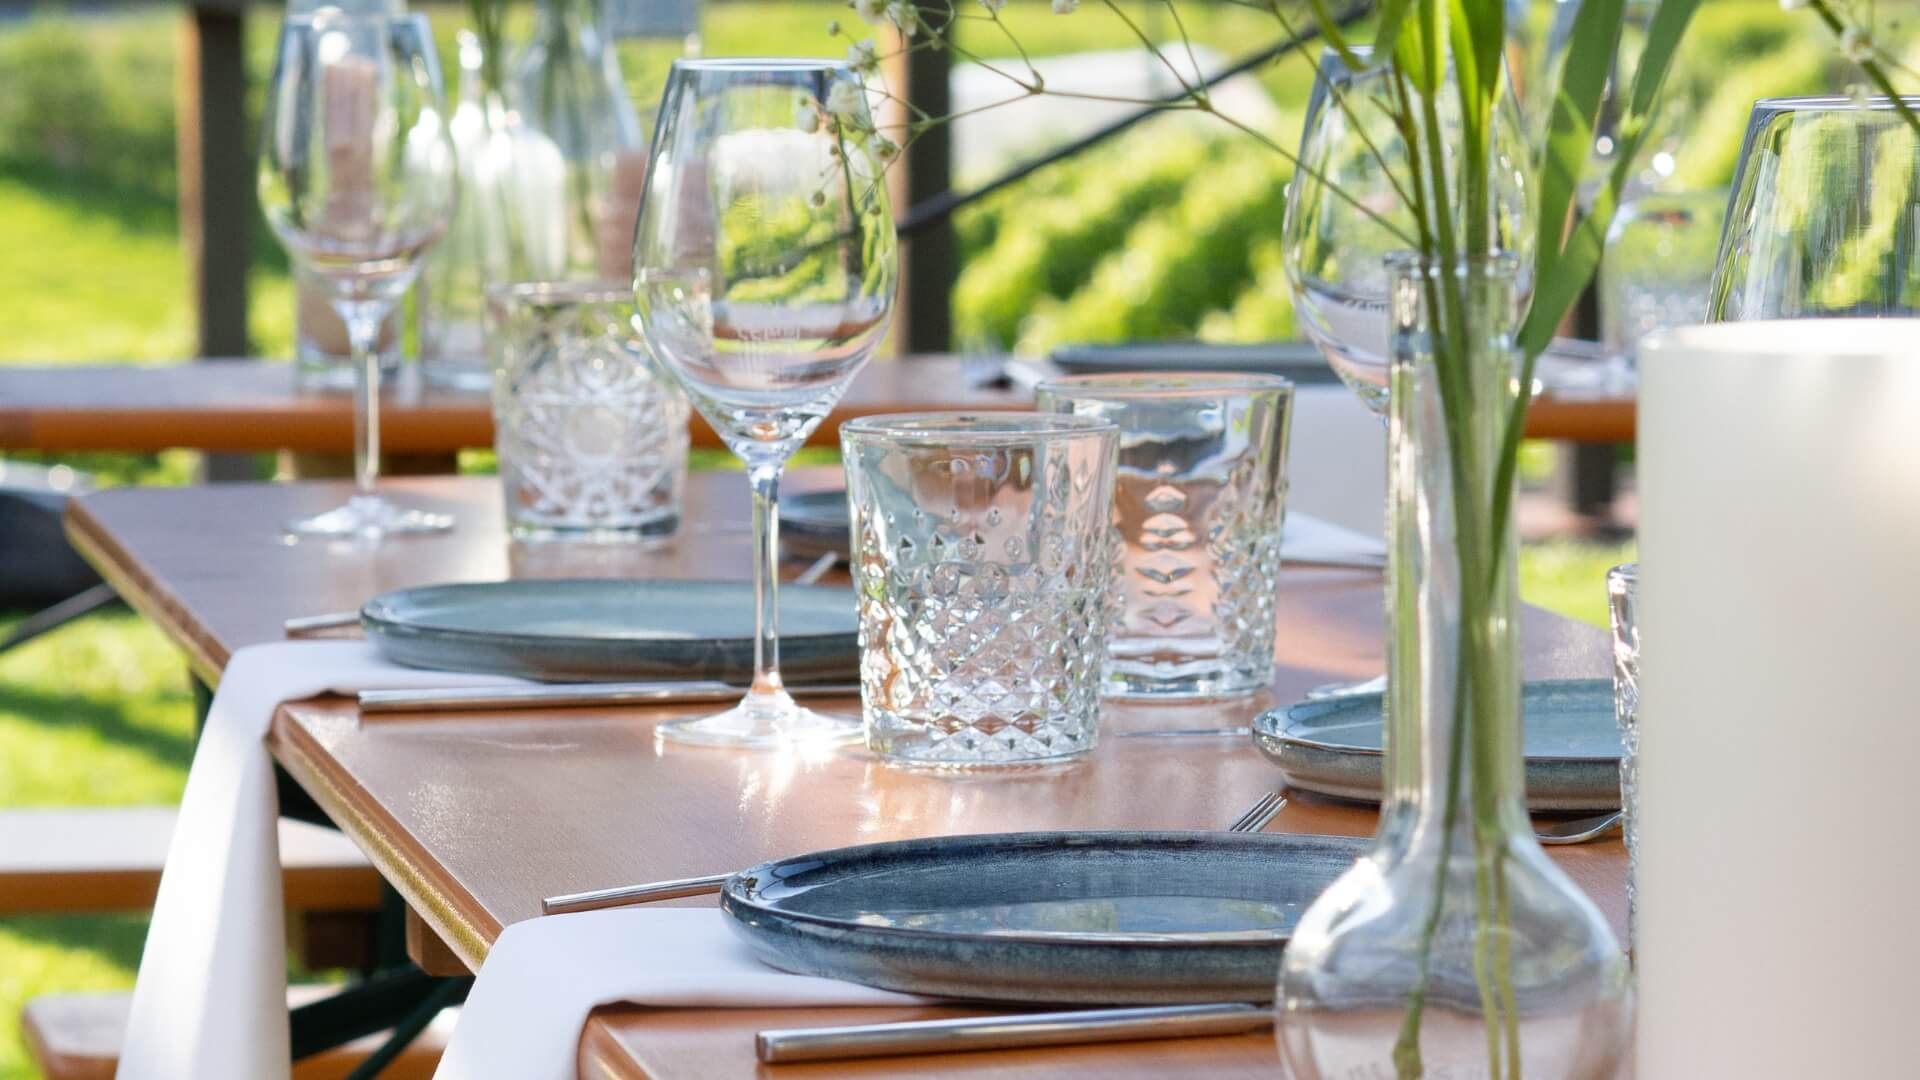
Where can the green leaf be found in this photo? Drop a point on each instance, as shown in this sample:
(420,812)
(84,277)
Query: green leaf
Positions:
(1559,282)
(1336,37)
(1569,144)
(1393,13)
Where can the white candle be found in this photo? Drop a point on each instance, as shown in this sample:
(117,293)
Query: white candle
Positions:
(1779,479)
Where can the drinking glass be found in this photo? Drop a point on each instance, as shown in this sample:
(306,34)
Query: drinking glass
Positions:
(764,275)
(1623,608)
(592,439)
(982,555)
(357,181)
(1199,499)
(1347,198)
(1825,215)
(1657,266)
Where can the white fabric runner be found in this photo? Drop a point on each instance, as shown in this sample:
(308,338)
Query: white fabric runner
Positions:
(543,976)
(211,996)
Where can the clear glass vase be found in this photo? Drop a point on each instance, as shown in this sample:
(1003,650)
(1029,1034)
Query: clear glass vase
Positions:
(509,175)
(566,86)
(1455,948)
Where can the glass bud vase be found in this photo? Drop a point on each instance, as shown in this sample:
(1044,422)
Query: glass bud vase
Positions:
(566,86)
(1455,948)
(509,178)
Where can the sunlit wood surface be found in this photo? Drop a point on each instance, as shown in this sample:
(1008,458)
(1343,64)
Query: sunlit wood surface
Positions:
(253,406)
(475,817)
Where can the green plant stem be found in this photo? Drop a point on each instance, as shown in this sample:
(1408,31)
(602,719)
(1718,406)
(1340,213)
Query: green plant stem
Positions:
(1871,67)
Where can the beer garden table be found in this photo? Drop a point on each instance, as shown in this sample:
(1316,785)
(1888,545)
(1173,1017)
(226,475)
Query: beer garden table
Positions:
(254,406)
(474,817)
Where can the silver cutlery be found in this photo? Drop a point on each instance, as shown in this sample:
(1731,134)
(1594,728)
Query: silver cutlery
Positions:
(1580,830)
(313,624)
(560,695)
(1189,733)
(1255,819)
(818,570)
(1009,1031)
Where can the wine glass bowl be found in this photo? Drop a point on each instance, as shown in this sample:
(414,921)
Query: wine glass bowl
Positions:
(1348,209)
(1822,221)
(357,181)
(765,267)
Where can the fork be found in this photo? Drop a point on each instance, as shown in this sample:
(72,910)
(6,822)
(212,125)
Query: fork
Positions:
(1254,820)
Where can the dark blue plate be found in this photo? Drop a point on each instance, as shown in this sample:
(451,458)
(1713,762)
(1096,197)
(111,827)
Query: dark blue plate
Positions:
(586,630)
(1063,917)
(814,523)
(1572,743)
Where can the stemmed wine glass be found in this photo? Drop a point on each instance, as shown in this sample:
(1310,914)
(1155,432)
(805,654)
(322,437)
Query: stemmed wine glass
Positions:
(1825,216)
(357,179)
(764,274)
(1348,209)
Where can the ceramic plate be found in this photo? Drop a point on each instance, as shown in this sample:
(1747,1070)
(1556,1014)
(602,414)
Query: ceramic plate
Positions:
(1077,917)
(1297,360)
(1333,746)
(813,523)
(613,630)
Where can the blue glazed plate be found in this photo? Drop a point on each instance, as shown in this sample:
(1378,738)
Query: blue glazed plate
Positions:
(586,630)
(1333,746)
(1062,917)
(814,523)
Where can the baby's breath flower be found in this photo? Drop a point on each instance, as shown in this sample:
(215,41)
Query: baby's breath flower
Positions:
(902,14)
(993,6)
(848,103)
(864,56)
(1857,94)
(1856,44)
(872,11)
(833,27)
(1792,5)
(884,148)
(1065,7)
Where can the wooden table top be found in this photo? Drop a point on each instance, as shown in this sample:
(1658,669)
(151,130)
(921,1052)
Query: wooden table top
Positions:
(475,817)
(254,406)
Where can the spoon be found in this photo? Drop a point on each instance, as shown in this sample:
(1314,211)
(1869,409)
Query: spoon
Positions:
(1580,830)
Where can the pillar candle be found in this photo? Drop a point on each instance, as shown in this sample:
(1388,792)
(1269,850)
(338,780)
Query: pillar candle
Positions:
(1779,480)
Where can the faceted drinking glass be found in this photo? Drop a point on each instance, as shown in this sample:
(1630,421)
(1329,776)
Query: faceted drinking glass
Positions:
(982,555)
(592,439)
(1623,602)
(357,180)
(1199,499)
(764,275)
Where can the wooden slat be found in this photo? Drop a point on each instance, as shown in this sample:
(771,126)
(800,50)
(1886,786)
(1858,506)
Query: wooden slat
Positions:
(253,406)
(109,858)
(78,1037)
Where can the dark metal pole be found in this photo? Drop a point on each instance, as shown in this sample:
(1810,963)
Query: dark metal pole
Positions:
(929,261)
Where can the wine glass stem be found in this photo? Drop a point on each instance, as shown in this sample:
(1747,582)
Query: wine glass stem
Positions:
(765,479)
(363,319)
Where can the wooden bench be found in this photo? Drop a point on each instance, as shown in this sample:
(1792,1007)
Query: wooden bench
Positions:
(91,859)
(78,1036)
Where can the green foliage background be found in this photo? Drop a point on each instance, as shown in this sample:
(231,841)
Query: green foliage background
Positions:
(1170,231)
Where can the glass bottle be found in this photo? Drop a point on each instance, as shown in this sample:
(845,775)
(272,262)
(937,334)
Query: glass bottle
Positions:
(510,177)
(566,85)
(1455,948)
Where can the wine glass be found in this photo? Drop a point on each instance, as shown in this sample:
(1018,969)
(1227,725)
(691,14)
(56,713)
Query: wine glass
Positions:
(764,274)
(1825,215)
(357,181)
(1348,209)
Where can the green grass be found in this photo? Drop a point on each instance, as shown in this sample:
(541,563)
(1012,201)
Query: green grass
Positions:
(97,712)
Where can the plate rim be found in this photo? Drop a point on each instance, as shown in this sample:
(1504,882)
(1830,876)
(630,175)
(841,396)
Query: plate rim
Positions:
(732,898)
(370,616)
(1270,724)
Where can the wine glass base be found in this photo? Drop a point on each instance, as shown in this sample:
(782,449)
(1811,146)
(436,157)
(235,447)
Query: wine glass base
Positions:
(369,517)
(764,720)
(1375,685)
